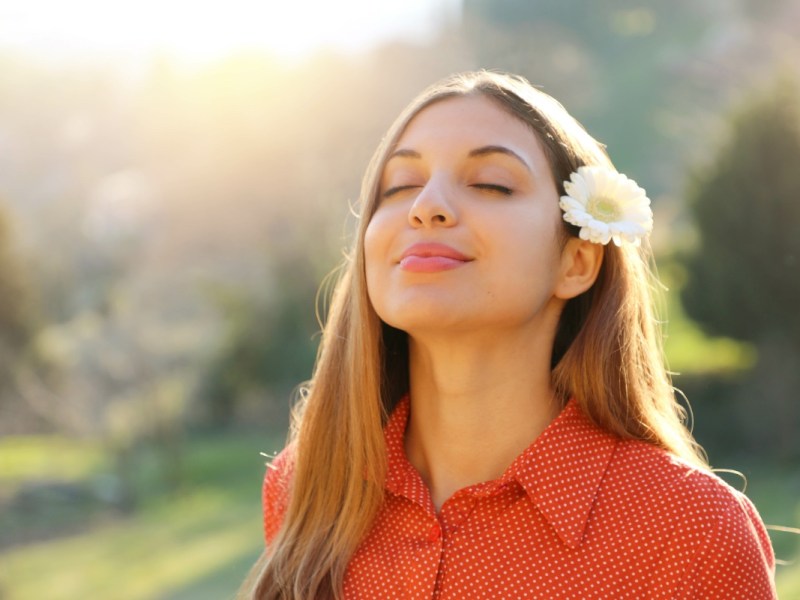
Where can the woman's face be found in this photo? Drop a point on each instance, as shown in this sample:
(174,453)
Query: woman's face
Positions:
(465,234)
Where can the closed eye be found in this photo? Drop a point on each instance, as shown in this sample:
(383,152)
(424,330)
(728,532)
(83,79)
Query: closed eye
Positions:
(397,189)
(493,187)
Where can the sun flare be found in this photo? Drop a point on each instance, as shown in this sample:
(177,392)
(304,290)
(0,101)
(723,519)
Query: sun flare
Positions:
(202,30)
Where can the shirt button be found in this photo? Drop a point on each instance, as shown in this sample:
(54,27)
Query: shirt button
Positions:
(435,533)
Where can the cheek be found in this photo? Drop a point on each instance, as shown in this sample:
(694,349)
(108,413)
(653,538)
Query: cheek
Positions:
(373,245)
(375,253)
(379,236)
(530,236)
(531,257)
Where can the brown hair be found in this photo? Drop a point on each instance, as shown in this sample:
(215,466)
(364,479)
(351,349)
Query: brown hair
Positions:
(606,354)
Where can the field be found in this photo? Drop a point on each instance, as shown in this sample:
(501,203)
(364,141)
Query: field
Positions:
(198,543)
(195,543)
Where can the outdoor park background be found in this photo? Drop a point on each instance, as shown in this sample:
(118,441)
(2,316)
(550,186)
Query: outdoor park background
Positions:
(175,183)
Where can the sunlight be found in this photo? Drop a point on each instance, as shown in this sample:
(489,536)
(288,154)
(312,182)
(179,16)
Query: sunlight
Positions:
(200,31)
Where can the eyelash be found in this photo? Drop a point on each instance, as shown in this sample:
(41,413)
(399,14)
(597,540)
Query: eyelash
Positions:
(400,188)
(493,187)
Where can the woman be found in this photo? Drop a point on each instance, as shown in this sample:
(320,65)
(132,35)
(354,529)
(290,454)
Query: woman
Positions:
(489,416)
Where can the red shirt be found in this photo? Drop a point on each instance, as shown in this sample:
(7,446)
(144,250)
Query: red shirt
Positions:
(579,514)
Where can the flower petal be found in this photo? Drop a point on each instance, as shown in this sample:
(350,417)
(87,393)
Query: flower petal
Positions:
(607,206)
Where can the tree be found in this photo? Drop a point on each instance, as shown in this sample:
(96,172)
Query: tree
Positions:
(623,68)
(16,326)
(269,343)
(744,277)
(15,313)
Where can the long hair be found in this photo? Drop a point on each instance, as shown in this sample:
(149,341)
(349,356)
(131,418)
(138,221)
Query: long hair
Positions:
(606,354)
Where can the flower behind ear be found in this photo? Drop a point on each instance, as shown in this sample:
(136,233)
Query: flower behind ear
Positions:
(607,206)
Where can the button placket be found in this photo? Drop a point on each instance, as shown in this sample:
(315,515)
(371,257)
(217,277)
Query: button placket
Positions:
(456,511)
(435,533)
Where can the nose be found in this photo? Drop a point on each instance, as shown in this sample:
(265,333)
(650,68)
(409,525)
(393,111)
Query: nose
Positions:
(433,206)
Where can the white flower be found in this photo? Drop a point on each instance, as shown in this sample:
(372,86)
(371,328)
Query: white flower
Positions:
(606,205)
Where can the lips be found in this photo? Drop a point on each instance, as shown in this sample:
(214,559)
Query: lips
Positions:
(431,258)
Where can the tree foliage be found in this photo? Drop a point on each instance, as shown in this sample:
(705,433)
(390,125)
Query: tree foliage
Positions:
(269,341)
(15,311)
(744,278)
(620,67)
(16,324)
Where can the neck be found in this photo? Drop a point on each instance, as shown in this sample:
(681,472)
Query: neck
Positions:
(477,403)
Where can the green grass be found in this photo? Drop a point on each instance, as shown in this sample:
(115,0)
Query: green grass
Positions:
(776,493)
(196,544)
(148,557)
(38,457)
(789,580)
(37,464)
(200,543)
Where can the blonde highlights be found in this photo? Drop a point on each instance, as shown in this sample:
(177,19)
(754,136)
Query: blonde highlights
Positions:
(606,354)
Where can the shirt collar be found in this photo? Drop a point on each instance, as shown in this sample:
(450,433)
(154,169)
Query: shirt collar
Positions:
(567,461)
(401,478)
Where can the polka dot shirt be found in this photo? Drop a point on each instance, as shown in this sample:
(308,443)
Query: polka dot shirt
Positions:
(579,514)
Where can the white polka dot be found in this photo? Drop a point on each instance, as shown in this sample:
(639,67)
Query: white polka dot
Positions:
(579,514)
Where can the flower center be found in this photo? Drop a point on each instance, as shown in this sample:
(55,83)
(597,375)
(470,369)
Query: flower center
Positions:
(603,209)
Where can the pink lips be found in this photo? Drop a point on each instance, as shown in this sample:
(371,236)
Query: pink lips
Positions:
(431,258)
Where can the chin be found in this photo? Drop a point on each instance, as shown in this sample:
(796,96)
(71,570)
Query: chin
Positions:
(421,318)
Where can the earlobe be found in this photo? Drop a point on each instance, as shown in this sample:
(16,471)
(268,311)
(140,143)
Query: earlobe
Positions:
(580,263)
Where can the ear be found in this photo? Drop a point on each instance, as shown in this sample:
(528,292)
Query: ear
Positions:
(580,264)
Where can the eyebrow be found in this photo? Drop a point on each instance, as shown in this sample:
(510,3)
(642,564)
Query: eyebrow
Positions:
(404,153)
(485,150)
(482,151)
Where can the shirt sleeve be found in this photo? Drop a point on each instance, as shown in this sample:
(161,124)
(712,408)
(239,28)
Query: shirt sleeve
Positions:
(720,552)
(738,561)
(275,493)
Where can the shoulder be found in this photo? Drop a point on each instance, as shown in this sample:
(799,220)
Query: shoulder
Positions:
(275,491)
(691,490)
(711,533)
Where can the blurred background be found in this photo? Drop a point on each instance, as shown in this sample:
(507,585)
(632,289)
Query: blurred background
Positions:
(176,181)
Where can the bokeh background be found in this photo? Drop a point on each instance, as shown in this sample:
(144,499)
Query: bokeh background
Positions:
(176,180)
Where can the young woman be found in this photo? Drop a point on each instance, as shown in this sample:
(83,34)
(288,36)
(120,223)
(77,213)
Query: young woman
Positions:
(490,416)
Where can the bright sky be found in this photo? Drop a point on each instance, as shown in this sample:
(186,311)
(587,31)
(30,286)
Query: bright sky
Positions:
(198,30)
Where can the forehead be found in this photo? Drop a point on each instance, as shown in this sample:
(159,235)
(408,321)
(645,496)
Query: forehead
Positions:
(468,122)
